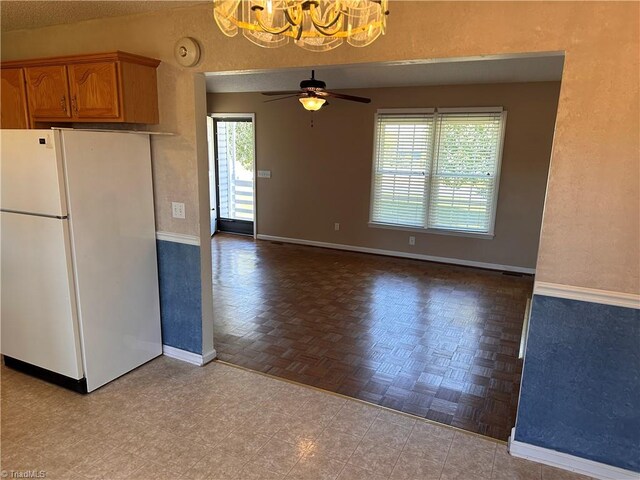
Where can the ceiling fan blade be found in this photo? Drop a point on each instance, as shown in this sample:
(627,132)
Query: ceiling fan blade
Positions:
(342,96)
(288,92)
(281,98)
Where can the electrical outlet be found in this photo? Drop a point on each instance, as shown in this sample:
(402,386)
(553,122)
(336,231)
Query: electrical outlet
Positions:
(336,226)
(412,240)
(177,209)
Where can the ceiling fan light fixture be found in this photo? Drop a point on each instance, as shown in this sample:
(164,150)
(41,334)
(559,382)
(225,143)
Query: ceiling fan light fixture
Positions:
(312,104)
(315,25)
(313,94)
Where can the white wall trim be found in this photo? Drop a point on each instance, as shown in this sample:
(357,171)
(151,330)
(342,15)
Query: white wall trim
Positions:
(178,238)
(584,294)
(426,110)
(470,109)
(209,356)
(434,231)
(188,357)
(568,462)
(392,253)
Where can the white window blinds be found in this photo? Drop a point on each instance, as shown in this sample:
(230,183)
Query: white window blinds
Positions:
(404,145)
(437,171)
(465,171)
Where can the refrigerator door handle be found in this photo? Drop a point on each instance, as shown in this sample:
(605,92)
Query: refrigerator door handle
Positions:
(59,217)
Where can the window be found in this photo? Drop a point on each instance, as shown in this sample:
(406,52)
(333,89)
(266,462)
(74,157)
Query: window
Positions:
(437,170)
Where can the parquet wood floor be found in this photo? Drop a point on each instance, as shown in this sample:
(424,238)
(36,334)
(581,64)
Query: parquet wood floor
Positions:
(433,340)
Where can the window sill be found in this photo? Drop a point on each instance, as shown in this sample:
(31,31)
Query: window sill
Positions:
(454,233)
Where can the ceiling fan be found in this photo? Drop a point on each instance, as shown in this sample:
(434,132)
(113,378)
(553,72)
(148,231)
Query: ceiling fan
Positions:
(313,94)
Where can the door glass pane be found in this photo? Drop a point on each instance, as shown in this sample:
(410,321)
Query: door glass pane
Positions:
(235,169)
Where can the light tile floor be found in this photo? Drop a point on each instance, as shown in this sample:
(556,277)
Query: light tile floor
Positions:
(170,420)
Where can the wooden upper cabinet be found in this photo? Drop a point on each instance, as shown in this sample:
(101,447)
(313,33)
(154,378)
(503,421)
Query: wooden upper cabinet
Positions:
(104,87)
(48,92)
(94,90)
(13,99)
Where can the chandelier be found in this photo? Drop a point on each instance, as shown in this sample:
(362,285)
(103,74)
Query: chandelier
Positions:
(316,25)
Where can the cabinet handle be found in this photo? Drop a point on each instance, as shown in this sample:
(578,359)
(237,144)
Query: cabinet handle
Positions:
(63,103)
(74,104)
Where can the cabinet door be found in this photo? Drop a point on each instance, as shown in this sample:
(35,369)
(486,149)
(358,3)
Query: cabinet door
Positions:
(48,92)
(13,98)
(94,89)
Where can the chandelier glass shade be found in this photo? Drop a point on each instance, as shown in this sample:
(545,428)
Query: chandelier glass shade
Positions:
(316,25)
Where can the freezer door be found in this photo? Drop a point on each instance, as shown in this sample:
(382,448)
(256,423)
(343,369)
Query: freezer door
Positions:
(38,323)
(31,173)
(112,224)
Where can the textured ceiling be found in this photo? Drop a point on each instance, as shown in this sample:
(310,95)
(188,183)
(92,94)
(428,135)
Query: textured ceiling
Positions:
(521,68)
(19,14)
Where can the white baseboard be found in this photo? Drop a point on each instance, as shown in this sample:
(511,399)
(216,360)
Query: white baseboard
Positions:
(568,462)
(584,294)
(525,329)
(209,356)
(178,238)
(392,253)
(188,357)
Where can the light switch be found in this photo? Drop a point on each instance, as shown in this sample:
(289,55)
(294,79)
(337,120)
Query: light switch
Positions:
(264,173)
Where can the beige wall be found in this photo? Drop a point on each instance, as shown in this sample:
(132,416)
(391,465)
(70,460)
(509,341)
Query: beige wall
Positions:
(591,222)
(322,175)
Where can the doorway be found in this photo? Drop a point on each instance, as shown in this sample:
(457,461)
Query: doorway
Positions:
(232,173)
(429,339)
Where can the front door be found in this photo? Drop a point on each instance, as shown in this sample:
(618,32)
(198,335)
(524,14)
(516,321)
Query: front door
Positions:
(234,173)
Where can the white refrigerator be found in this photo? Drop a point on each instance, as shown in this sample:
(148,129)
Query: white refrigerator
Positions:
(78,277)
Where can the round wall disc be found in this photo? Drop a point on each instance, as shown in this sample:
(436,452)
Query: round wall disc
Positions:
(187,52)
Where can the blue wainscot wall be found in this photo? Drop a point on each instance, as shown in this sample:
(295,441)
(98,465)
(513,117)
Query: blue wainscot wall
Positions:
(581,381)
(180,295)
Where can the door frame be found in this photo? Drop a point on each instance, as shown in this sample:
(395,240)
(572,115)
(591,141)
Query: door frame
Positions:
(252,116)
(211,153)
